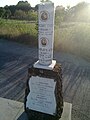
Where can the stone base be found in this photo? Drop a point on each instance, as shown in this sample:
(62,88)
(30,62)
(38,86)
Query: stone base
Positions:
(56,75)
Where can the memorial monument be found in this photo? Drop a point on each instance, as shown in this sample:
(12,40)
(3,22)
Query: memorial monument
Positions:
(43,94)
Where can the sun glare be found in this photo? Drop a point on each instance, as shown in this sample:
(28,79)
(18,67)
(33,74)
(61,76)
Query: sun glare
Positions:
(88,1)
(89,9)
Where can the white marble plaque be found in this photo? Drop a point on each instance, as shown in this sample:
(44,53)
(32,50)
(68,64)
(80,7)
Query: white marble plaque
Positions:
(41,97)
(46,33)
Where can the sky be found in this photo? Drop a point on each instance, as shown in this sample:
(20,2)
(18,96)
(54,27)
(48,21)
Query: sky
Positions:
(35,2)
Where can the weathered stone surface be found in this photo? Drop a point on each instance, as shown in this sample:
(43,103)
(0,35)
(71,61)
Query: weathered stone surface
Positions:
(55,74)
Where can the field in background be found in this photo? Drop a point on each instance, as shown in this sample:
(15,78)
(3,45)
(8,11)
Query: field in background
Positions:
(69,37)
(73,38)
(19,31)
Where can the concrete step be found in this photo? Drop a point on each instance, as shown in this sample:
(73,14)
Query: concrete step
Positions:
(13,110)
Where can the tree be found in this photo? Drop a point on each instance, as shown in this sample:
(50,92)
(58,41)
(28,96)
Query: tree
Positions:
(60,13)
(68,8)
(41,0)
(48,1)
(23,5)
(12,8)
(19,14)
(6,7)
(45,1)
(32,15)
(80,12)
(2,11)
(36,8)
(7,14)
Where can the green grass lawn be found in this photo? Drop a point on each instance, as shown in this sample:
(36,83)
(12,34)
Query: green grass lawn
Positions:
(69,37)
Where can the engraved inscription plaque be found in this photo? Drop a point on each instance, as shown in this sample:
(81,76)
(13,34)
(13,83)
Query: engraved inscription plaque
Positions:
(41,97)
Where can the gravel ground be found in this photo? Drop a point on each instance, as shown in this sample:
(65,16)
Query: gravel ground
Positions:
(15,60)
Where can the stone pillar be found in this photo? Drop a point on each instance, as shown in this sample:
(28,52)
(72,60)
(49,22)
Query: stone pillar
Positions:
(46,32)
(43,94)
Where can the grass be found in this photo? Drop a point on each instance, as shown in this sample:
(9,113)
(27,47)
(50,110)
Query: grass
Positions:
(71,38)
(20,31)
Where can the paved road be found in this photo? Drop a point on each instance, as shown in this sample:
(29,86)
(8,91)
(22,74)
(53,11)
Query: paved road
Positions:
(14,62)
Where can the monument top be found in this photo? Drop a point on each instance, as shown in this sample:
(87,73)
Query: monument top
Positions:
(46,2)
(46,34)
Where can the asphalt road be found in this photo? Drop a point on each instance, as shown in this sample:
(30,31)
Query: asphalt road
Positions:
(15,60)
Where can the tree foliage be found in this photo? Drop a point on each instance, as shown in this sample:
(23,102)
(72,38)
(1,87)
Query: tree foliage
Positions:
(45,1)
(2,11)
(24,6)
(24,11)
(78,13)
(21,11)
(59,14)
